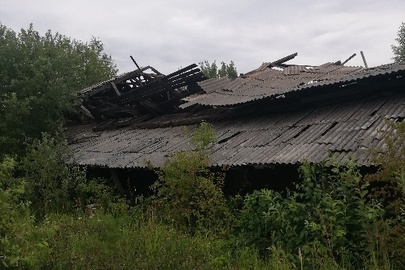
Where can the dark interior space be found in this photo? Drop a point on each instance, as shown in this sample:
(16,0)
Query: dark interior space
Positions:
(133,182)
(238,180)
(245,179)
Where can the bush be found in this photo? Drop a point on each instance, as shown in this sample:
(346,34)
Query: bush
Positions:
(326,217)
(22,245)
(50,183)
(49,186)
(388,187)
(53,186)
(187,192)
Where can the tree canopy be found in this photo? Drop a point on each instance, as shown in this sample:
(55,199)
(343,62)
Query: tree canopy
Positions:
(399,51)
(39,80)
(212,70)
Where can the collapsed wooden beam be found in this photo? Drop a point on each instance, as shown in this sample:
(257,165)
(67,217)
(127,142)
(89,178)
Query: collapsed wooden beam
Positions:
(283,60)
(115,89)
(144,90)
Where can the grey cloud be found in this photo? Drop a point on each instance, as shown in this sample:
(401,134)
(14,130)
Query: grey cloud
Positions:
(170,34)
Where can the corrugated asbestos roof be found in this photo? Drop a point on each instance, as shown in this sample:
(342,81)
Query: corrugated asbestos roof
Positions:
(345,130)
(276,114)
(267,82)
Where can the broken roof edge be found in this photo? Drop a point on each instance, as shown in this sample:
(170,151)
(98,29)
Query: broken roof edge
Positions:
(235,97)
(219,93)
(281,63)
(118,77)
(276,63)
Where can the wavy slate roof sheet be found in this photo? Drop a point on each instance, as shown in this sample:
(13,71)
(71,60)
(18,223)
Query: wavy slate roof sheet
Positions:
(274,81)
(348,129)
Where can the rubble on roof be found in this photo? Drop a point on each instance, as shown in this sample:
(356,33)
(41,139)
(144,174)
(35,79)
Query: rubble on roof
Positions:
(271,81)
(143,92)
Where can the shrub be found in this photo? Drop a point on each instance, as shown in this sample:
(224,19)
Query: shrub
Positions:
(388,187)
(22,245)
(187,192)
(326,217)
(52,185)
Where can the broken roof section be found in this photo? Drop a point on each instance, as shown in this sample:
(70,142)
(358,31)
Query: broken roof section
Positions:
(276,79)
(146,93)
(143,92)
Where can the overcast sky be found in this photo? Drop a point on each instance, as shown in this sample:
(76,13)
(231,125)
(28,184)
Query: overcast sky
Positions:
(172,34)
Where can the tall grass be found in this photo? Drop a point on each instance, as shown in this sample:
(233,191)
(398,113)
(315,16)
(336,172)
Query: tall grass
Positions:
(108,242)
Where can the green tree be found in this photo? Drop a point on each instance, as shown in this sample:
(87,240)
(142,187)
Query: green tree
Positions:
(399,51)
(39,79)
(212,70)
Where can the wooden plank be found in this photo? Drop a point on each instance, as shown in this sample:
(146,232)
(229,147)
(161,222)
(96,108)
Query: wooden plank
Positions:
(115,89)
(181,70)
(184,75)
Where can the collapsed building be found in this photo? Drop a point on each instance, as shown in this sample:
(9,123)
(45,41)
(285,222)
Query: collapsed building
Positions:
(267,121)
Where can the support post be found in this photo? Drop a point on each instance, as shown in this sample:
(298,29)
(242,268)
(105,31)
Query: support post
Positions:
(133,60)
(364,59)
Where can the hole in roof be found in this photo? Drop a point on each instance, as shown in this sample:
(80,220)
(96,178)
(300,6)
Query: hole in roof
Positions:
(399,119)
(229,137)
(302,131)
(374,112)
(331,127)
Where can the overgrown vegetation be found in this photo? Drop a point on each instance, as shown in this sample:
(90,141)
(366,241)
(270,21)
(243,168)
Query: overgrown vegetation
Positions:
(187,192)
(388,188)
(326,220)
(332,219)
